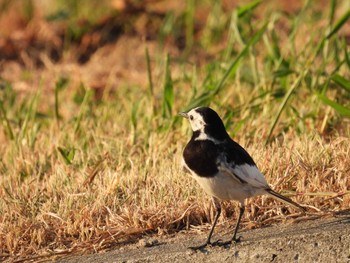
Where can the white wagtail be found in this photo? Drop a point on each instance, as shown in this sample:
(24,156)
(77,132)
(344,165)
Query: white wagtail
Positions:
(222,167)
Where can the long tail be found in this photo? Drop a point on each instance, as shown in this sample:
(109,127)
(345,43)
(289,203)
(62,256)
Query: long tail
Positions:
(284,199)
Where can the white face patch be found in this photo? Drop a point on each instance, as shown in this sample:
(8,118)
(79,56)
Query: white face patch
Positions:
(198,124)
(196,120)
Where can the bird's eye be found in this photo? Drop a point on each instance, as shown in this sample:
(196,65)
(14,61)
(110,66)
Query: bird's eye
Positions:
(191,117)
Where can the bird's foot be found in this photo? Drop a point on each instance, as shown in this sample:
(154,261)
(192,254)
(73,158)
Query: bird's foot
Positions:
(208,243)
(201,247)
(236,240)
(218,243)
(228,243)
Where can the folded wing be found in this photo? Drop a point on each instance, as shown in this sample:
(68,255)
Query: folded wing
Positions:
(234,161)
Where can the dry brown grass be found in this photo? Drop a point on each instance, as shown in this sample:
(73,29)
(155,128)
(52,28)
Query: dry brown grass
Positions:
(129,190)
(126,179)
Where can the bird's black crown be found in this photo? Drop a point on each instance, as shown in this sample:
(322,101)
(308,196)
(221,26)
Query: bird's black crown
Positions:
(214,126)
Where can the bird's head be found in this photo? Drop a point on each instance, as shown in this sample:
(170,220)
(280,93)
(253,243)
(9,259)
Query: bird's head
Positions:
(205,123)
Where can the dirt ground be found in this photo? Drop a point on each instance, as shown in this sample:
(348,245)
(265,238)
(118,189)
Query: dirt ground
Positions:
(321,240)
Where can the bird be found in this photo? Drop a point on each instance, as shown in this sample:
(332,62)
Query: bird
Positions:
(222,167)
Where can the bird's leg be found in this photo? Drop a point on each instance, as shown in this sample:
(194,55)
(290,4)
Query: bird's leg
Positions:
(234,239)
(217,207)
(241,212)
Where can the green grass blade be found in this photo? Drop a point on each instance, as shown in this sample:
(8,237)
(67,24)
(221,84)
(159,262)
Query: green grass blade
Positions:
(344,83)
(30,114)
(87,96)
(233,67)
(282,73)
(168,91)
(201,100)
(134,117)
(67,154)
(338,25)
(283,105)
(333,5)
(276,51)
(189,21)
(342,110)
(149,73)
(247,8)
(347,57)
(205,97)
(6,122)
(60,85)
(150,81)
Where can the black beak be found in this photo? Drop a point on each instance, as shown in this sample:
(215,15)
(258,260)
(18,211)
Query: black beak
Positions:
(184,114)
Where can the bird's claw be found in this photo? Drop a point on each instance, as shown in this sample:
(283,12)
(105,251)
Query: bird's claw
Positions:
(211,244)
(228,243)
(218,243)
(236,240)
(201,247)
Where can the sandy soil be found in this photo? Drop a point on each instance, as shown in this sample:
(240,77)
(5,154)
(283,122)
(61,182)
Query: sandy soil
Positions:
(322,240)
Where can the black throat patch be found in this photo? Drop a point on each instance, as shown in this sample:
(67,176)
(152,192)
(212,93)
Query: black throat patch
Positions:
(200,156)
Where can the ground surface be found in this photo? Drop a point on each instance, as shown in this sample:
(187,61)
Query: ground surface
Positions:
(322,240)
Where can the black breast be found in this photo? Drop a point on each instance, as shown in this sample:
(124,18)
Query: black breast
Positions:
(200,156)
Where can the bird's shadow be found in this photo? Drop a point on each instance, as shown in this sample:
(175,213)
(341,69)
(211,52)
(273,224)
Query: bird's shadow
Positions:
(341,218)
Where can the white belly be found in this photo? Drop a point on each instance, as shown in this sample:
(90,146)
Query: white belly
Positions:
(226,188)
